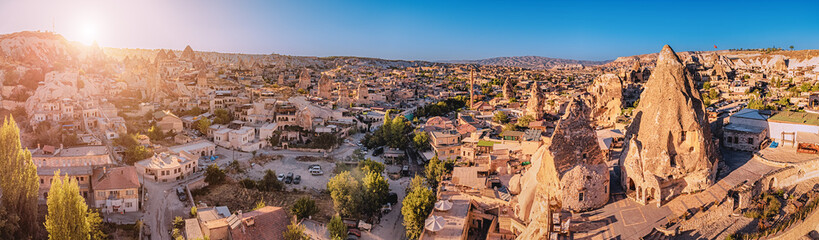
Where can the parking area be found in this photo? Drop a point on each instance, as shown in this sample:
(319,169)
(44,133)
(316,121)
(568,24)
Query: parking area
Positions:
(289,164)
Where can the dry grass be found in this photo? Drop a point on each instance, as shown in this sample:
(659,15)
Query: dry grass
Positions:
(236,197)
(262,160)
(314,159)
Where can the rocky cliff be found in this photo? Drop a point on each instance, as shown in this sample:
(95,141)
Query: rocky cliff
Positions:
(607,92)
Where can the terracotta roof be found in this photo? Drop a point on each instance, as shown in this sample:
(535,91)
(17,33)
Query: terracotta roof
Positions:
(268,223)
(115,178)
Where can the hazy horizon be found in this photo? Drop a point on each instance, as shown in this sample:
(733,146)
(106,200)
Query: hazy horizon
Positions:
(425,30)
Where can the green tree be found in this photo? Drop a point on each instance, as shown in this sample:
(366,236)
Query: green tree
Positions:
(523,122)
(67,213)
(500,117)
(95,224)
(434,170)
(19,184)
(376,190)
(421,141)
(368,165)
(346,194)
(214,175)
(295,232)
(417,206)
(270,182)
(136,153)
(791,47)
(222,116)
(202,125)
(304,207)
(337,228)
(155,133)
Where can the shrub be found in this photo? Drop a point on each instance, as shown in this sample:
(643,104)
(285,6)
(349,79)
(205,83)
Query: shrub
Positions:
(247,183)
(269,182)
(214,175)
(304,207)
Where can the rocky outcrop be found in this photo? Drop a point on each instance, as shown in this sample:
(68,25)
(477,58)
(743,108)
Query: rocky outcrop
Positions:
(535,105)
(325,87)
(188,54)
(304,79)
(568,172)
(508,89)
(669,149)
(607,92)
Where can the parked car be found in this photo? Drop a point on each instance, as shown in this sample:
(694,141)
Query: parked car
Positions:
(354,232)
(180,192)
(316,171)
(289,178)
(297,179)
(386,208)
(392,198)
(314,166)
(280,177)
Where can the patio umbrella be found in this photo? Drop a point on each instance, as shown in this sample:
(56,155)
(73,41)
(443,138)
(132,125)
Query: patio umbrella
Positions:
(443,205)
(434,223)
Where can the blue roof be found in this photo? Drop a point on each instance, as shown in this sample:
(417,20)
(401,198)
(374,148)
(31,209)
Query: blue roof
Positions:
(750,114)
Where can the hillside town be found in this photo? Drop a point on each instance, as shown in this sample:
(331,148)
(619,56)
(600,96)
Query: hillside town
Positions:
(187,144)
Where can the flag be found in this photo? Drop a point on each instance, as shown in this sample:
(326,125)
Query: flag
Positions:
(715,46)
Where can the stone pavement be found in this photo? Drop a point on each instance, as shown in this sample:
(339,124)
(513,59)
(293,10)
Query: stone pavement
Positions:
(624,218)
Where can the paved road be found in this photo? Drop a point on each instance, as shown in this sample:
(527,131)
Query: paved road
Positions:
(161,207)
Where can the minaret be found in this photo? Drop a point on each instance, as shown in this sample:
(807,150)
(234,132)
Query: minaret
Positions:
(471,88)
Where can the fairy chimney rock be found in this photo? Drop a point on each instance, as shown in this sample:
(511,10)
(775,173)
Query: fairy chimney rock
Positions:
(669,149)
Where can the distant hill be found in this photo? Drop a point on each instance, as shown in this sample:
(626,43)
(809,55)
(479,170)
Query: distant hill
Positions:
(532,62)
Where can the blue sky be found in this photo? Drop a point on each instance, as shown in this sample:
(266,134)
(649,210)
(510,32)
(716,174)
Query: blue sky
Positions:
(425,30)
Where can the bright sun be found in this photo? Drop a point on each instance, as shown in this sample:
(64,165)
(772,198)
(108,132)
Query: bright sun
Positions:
(89,34)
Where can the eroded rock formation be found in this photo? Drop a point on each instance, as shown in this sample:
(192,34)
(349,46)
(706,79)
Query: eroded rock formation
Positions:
(508,90)
(568,172)
(535,105)
(669,149)
(607,91)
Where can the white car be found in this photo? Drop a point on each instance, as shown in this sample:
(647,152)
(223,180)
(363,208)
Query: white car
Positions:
(280,177)
(316,171)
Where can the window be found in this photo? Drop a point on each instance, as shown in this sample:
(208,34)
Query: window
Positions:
(750,140)
(128,204)
(129,192)
(728,139)
(41,181)
(682,136)
(100,194)
(580,197)
(736,139)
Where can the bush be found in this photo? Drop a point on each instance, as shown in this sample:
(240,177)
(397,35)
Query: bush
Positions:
(214,175)
(247,183)
(269,182)
(337,228)
(304,207)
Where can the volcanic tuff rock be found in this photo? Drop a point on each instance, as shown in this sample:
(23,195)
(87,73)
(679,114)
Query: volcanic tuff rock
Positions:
(569,170)
(607,91)
(508,89)
(188,54)
(536,102)
(669,149)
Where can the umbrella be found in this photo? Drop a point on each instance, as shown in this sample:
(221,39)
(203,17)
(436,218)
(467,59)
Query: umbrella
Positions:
(434,223)
(443,205)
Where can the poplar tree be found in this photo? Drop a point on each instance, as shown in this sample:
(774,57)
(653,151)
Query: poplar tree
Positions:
(19,184)
(67,212)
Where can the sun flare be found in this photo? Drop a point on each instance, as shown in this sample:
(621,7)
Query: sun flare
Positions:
(88,34)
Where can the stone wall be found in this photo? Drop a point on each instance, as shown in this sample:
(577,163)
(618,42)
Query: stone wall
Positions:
(592,181)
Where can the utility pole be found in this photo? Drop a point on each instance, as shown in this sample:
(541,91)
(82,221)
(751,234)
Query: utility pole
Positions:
(471,88)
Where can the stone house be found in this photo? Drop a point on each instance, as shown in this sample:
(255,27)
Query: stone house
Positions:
(116,190)
(167,121)
(167,167)
(746,130)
